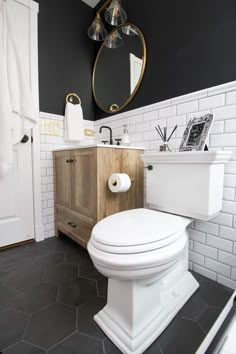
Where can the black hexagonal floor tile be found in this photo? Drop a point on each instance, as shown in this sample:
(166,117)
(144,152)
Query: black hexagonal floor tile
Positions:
(49,259)
(78,343)
(7,295)
(214,294)
(13,263)
(19,251)
(89,271)
(209,317)
(77,292)
(154,348)
(12,326)
(24,348)
(197,276)
(39,248)
(85,321)
(102,285)
(63,244)
(181,336)
(61,273)
(37,298)
(194,308)
(3,276)
(51,325)
(26,277)
(110,348)
(86,267)
(73,257)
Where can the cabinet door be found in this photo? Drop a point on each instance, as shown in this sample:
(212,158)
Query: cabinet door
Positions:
(62,164)
(84,182)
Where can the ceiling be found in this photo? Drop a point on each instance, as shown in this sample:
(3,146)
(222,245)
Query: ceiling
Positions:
(91,3)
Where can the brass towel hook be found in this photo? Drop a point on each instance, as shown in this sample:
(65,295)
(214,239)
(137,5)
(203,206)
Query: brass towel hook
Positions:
(70,98)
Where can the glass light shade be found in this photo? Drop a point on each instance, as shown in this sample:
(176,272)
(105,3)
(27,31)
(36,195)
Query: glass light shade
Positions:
(129,30)
(115,14)
(114,40)
(97,31)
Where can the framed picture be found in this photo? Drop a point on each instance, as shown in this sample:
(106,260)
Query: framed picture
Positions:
(196,133)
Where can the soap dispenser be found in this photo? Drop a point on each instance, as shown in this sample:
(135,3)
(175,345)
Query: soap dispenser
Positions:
(125,137)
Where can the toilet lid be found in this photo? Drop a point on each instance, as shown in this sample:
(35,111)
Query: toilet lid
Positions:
(137,230)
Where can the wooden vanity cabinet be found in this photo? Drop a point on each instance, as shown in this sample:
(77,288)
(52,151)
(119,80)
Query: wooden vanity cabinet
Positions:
(82,196)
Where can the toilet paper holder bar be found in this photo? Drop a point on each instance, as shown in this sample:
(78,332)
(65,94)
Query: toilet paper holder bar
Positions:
(114,182)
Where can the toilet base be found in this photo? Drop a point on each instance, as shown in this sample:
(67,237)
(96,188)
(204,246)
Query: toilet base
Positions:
(138,311)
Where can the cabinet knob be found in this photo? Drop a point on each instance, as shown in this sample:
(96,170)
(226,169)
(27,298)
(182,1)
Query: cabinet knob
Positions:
(69,160)
(71,224)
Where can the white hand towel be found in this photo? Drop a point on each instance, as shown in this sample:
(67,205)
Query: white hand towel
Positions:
(17,111)
(74,127)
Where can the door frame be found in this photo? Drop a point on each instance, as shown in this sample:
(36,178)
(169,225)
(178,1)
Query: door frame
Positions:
(34,80)
(34,77)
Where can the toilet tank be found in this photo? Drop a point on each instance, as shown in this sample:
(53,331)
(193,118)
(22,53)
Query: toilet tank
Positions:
(186,183)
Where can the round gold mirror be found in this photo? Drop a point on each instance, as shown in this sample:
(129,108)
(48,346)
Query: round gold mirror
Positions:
(119,68)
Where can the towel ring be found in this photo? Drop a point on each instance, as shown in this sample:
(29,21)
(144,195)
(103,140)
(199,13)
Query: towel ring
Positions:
(69,98)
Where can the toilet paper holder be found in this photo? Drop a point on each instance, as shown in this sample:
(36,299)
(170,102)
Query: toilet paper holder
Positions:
(114,182)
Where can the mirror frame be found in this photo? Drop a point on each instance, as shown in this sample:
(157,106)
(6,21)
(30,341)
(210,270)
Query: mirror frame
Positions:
(141,75)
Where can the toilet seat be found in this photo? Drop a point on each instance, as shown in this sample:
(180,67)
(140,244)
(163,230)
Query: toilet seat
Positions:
(137,231)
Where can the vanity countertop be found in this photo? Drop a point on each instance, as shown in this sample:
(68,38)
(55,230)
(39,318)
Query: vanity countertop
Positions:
(99,145)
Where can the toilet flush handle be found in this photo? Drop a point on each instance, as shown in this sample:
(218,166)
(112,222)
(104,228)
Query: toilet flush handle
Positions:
(149,167)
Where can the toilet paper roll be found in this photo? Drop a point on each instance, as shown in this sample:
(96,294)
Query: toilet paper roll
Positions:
(119,182)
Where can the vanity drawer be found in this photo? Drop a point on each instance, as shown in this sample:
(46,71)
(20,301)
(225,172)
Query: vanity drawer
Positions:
(74,226)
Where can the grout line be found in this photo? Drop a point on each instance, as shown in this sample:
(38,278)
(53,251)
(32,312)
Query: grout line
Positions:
(89,336)
(11,346)
(34,345)
(62,340)
(26,327)
(103,346)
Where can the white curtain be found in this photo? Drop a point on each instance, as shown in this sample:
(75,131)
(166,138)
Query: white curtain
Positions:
(17,110)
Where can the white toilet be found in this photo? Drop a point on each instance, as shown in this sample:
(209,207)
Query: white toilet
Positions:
(144,252)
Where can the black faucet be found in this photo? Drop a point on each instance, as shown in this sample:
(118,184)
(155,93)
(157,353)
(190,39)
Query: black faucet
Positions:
(104,126)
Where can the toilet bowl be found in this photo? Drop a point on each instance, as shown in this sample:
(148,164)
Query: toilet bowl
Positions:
(144,252)
(145,259)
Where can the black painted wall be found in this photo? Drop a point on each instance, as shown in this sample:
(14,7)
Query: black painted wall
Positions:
(191,45)
(66,55)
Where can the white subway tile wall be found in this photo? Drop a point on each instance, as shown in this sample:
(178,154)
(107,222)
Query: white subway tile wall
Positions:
(212,246)
(48,144)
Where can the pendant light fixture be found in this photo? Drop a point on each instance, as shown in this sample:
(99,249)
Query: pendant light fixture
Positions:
(129,30)
(114,40)
(97,31)
(115,15)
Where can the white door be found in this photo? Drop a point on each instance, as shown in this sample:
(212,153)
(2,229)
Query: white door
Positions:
(135,71)
(16,205)
(16,192)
